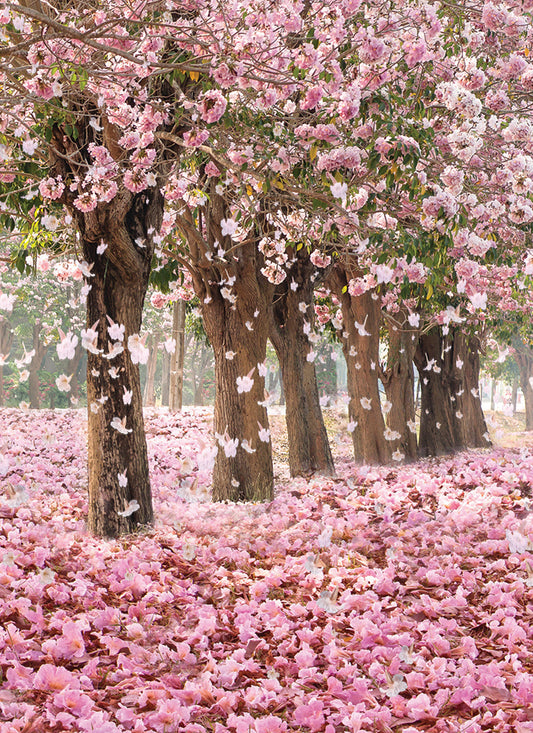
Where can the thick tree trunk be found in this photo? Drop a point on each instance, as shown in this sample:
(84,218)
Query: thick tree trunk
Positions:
(524,359)
(149,387)
(473,430)
(119,485)
(438,435)
(112,452)
(309,449)
(177,358)
(36,363)
(361,352)
(6,340)
(398,381)
(240,475)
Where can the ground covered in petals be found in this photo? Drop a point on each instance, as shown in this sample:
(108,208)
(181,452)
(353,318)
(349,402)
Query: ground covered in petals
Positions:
(385,599)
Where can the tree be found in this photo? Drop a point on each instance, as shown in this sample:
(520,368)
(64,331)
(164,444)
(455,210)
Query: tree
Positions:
(360,127)
(292,321)
(361,318)
(399,382)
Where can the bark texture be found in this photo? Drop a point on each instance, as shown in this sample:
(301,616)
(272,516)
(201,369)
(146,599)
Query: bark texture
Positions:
(165,378)
(451,413)
(466,349)
(235,300)
(241,475)
(361,315)
(309,449)
(437,422)
(399,382)
(118,281)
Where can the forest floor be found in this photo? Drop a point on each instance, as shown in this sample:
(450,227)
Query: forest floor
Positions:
(396,598)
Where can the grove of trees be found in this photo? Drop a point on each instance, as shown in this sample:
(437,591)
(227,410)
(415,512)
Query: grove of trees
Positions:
(290,164)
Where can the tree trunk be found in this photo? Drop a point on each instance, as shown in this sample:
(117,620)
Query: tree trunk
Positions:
(493,385)
(398,380)
(362,360)
(36,363)
(111,452)
(118,287)
(240,475)
(177,358)
(524,359)
(437,421)
(119,486)
(309,449)
(6,340)
(473,428)
(149,387)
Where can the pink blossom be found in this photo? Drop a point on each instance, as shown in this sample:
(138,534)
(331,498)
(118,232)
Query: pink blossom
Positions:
(311,715)
(50,677)
(212,106)
(312,98)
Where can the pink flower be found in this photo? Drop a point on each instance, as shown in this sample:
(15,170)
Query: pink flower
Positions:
(211,170)
(50,677)
(135,180)
(270,724)
(195,138)
(310,715)
(51,188)
(86,202)
(212,106)
(420,707)
(168,714)
(319,260)
(74,701)
(312,98)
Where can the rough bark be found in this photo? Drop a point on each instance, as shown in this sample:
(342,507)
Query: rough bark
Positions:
(6,340)
(437,421)
(524,359)
(235,299)
(451,413)
(118,286)
(473,432)
(398,380)
(40,347)
(309,449)
(362,359)
(240,416)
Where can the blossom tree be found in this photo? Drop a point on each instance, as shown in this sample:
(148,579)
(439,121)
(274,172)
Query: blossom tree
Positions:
(373,118)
